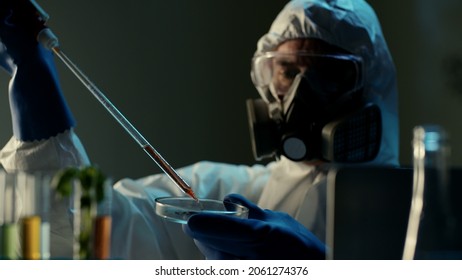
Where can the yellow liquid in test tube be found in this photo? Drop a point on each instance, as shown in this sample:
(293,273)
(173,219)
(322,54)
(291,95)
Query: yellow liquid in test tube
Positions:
(31,228)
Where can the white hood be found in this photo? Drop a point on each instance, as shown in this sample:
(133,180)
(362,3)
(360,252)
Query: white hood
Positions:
(351,25)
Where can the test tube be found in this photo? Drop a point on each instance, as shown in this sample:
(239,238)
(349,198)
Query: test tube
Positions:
(33,191)
(2,212)
(45,229)
(30,220)
(102,225)
(76,217)
(9,234)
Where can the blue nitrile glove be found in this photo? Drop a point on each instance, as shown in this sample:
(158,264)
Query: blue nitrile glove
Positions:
(265,234)
(6,62)
(38,108)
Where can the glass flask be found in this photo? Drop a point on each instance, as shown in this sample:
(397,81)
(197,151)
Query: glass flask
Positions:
(431,232)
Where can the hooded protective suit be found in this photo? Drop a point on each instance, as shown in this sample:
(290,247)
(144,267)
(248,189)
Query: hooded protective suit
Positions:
(293,187)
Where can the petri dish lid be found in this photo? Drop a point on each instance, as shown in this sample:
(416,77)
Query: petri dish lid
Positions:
(179,209)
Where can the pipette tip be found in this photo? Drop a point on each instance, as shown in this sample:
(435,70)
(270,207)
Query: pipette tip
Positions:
(192,195)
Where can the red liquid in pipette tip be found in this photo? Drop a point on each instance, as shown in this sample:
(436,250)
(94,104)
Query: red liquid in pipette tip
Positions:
(192,195)
(150,150)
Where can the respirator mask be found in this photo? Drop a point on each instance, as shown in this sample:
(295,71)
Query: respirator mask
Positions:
(312,108)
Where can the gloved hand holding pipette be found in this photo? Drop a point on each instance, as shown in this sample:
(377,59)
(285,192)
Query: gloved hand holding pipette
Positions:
(264,235)
(36,18)
(34,81)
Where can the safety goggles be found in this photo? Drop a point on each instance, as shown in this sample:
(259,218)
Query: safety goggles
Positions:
(329,74)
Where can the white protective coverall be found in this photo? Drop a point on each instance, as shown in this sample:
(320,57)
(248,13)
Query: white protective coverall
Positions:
(293,187)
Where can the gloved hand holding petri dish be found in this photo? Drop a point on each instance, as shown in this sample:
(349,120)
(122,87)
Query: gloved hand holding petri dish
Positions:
(179,209)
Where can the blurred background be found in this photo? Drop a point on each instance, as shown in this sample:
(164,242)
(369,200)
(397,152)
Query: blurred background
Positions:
(180,73)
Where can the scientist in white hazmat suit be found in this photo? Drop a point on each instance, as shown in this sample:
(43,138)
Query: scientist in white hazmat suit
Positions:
(328,95)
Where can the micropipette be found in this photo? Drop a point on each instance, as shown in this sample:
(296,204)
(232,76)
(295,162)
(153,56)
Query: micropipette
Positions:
(134,133)
(47,38)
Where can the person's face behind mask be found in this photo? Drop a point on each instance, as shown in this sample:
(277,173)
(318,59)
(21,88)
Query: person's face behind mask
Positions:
(286,68)
(313,86)
(320,59)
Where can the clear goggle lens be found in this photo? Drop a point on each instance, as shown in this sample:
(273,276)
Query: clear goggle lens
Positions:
(327,74)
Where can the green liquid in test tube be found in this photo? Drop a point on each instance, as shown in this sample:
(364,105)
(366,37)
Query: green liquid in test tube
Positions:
(9,232)
(10,242)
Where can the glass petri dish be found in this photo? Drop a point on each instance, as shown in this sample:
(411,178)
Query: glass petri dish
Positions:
(179,209)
